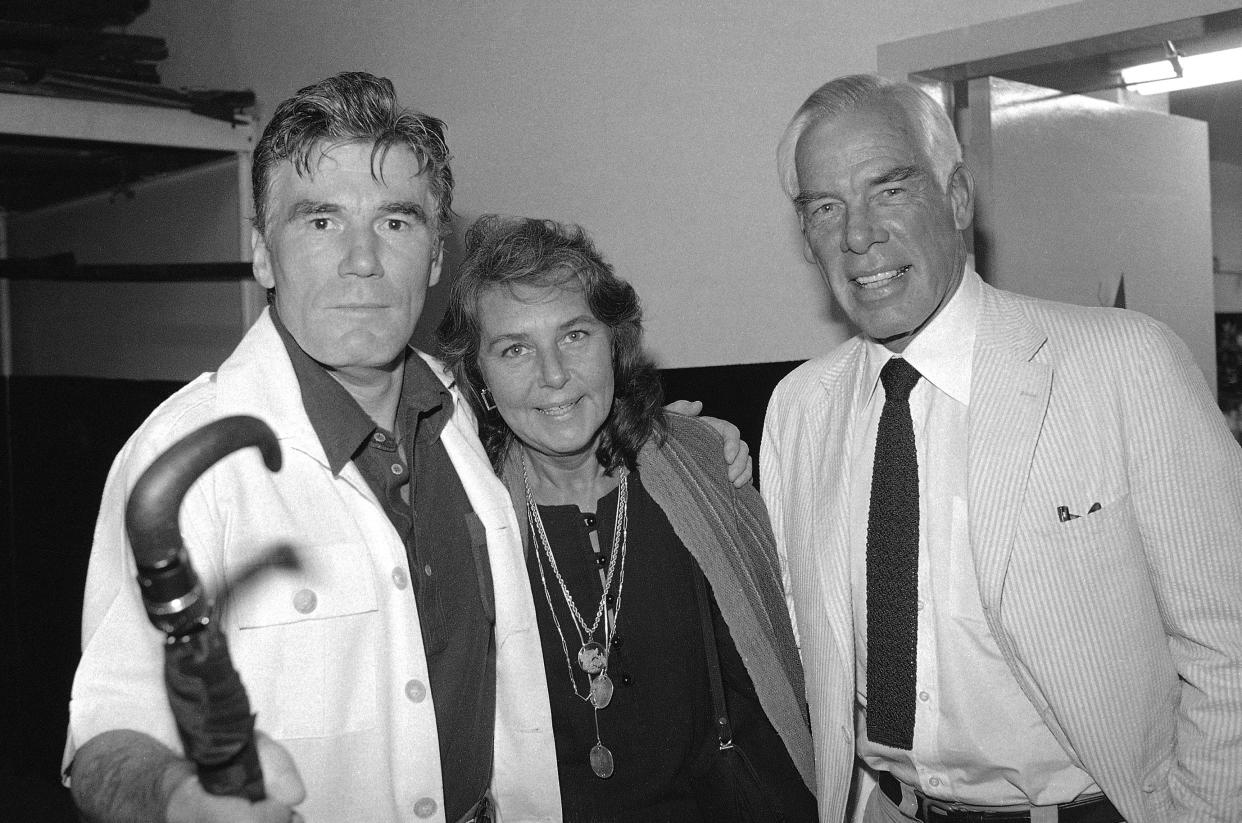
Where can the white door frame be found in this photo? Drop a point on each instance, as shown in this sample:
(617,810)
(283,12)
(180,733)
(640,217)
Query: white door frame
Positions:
(1087,27)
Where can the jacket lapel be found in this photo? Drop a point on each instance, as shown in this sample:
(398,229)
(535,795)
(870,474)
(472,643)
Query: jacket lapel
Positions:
(835,476)
(815,433)
(1009,400)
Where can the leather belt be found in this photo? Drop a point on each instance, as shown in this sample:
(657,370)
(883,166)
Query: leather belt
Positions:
(1096,809)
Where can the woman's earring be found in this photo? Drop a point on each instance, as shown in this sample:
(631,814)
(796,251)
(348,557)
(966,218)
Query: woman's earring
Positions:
(489,402)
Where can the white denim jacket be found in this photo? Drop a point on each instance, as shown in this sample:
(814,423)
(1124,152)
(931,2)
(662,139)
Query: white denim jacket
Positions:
(331,651)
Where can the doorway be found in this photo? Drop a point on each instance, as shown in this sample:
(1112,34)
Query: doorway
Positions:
(1078,49)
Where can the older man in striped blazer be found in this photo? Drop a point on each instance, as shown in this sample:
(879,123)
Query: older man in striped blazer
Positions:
(1011,529)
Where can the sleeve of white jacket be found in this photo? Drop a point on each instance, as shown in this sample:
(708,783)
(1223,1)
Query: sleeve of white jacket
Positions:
(1186,483)
(770,473)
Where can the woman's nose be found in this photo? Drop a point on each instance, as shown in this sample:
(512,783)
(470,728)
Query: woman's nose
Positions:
(552,368)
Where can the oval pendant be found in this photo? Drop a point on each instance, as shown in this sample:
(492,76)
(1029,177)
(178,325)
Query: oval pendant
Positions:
(592,658)
(601,690)
(601,761)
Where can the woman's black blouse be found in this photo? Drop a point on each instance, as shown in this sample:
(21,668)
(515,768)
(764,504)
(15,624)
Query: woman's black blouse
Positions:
(658,723)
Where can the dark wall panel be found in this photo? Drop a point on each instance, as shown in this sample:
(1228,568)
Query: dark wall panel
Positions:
(61,436)
(738,394)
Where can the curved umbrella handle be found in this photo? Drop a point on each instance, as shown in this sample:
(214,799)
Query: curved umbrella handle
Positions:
(205,692)
(171,591)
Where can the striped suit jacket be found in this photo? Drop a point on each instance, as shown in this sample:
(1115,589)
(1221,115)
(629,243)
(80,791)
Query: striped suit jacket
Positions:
(1123,627)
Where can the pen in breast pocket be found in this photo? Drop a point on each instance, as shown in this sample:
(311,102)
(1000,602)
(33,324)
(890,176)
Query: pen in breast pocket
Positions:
(1064,514)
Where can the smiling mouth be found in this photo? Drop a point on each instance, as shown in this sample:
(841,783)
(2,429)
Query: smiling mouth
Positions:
(554,411)
(875,281)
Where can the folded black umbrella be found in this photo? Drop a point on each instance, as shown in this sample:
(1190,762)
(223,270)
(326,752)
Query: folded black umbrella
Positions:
(205,691)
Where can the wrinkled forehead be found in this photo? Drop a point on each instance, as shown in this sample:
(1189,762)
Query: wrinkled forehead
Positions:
(387,163)
(871,135)
(355,171)
(384,164)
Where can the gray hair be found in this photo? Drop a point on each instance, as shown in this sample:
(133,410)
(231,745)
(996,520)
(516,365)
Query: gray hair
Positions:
(857,91)
(351,106)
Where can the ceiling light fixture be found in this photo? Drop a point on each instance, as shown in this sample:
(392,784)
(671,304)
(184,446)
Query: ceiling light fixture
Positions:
(1178,71)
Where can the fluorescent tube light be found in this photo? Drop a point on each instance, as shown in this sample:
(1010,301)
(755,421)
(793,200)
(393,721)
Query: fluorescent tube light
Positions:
(1197,70)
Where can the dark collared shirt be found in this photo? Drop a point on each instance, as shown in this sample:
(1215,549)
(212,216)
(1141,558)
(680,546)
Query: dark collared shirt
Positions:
(418,487)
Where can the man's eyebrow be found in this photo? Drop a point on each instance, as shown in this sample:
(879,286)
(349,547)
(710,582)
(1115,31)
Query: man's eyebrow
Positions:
(893,175)
(897,175)
(804,198)
(410,208)
(303,208)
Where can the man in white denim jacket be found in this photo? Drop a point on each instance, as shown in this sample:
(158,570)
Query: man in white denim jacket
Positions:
(339,655)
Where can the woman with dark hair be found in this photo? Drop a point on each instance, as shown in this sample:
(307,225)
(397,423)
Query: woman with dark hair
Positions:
(675,684)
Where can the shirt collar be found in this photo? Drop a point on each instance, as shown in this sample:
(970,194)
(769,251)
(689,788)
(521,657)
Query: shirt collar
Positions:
(943,350)
(341,425)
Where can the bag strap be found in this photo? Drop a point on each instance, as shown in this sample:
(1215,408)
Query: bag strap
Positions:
(724,729)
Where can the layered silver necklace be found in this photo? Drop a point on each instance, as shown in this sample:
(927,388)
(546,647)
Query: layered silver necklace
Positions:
(592,654)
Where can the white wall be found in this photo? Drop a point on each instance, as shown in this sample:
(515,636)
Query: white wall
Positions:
(653,124)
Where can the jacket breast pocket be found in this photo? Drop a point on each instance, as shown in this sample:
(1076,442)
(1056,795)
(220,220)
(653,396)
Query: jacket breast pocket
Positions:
(1092,568)
(1080,605)
(306,639)
(1093,543)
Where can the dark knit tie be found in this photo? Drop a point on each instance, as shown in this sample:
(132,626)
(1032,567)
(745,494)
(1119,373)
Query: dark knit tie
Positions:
(893,566)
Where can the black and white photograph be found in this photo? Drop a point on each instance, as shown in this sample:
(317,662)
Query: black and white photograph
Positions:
(556,411)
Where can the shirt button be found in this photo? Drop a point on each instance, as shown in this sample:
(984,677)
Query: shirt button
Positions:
(921,605)
(379,437)
(924,696)
(416,691)
(425,807)
(935,781)
(399,578)
(427,570)
(397,468)
(304,600)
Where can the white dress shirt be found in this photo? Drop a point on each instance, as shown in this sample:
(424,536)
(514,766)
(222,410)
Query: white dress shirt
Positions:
(977,739)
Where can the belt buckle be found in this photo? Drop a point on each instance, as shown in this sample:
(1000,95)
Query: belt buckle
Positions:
(938,810)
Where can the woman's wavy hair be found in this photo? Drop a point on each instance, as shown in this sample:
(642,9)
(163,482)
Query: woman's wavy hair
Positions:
(504,252)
